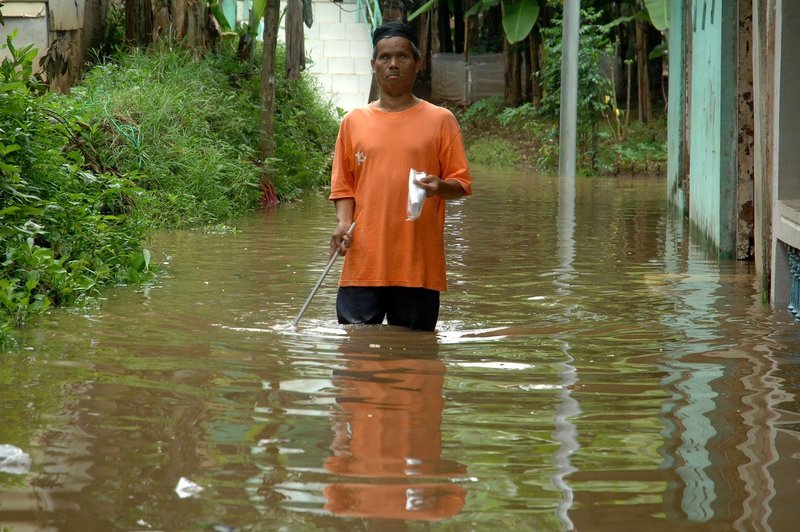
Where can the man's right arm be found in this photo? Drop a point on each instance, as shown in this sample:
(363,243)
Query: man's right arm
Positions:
(345,208)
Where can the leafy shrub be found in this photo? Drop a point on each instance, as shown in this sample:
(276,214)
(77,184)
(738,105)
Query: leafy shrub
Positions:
(186,131)
(593,85)
(151,139)
(492,151)
(482,111)
(65,228)
(523,116)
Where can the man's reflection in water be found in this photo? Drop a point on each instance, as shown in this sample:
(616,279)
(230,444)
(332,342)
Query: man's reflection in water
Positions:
(387,439)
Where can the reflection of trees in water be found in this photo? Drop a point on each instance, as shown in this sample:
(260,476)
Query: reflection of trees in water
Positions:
(116,452)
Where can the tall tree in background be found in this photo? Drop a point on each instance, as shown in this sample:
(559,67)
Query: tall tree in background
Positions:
(147,21)
(521,41)
(271,21)
(642,76)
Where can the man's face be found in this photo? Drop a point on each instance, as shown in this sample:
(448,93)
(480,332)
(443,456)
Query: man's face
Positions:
(394,66)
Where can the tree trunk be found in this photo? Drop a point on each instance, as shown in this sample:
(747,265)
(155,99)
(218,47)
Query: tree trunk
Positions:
(139,21)
(70,42)
(131,19)
(295,46)
(643,79)
(445,38)
(424,39)
(536,65)
(458,18)
(526,72)
(266,141)
(472,29)
(95,31)
(271,20)
(511,64)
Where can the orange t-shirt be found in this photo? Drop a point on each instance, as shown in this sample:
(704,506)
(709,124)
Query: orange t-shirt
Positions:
(374,152)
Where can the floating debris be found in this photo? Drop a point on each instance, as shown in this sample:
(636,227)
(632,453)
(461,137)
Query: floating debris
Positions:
(14,460)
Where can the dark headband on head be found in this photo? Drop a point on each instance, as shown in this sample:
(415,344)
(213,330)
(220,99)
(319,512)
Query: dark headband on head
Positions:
(394,29)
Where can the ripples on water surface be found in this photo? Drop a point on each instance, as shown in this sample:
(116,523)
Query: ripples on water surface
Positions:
(594,368)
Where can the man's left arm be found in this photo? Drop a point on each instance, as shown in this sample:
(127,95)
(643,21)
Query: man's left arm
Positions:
(446,188)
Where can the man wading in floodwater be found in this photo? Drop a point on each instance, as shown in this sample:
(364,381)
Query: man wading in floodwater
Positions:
(394,266)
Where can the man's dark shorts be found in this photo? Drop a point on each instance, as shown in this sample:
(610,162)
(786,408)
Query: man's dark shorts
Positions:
(415,308)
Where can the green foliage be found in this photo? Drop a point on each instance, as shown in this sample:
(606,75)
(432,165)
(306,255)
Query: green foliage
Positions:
(305,134)
(186,131)
(519,18)
(482,111)
(492,151)
(156,139)
(659,13)
(593,85)
(65,228)
(523,136)
(425,7)
(174,126)
(522,117)
(643,151)
(596,95)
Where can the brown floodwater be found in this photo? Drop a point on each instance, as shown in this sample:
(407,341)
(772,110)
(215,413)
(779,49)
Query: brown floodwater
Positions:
(596,367)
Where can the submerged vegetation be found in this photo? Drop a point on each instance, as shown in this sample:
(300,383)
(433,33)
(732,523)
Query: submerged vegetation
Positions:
(149,140)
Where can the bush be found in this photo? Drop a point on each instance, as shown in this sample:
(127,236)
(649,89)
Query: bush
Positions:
(186,131)
(150,139)
(65,228)
(492,151)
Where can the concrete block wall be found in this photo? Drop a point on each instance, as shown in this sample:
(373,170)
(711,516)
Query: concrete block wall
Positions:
(340,49)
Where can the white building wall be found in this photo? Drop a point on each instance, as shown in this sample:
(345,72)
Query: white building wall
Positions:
(339,48)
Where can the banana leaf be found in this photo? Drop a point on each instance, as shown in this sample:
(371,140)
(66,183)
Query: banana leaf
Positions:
(519,18)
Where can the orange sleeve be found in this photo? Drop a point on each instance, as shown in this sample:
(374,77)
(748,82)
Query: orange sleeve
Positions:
(342,175)
(454,157)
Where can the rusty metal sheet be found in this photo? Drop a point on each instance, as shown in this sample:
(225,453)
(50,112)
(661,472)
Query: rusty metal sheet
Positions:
(24,9)
(29,20)
(66,14)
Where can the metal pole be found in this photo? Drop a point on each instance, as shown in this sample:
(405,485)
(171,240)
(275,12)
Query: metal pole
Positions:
(321,278)
(569,88)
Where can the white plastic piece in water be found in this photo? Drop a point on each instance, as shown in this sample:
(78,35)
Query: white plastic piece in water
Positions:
(187,488)
(416,195)
(14,460)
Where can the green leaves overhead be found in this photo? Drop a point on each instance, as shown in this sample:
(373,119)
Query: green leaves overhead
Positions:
(481,7)
(259,6)
(425,7)
(216,10)
(519,18)
(659,13)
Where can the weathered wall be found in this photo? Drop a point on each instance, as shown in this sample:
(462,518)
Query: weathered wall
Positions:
(712,187)
(745,134)
(29,18)
(763,74)
(786,154)
(676,122)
